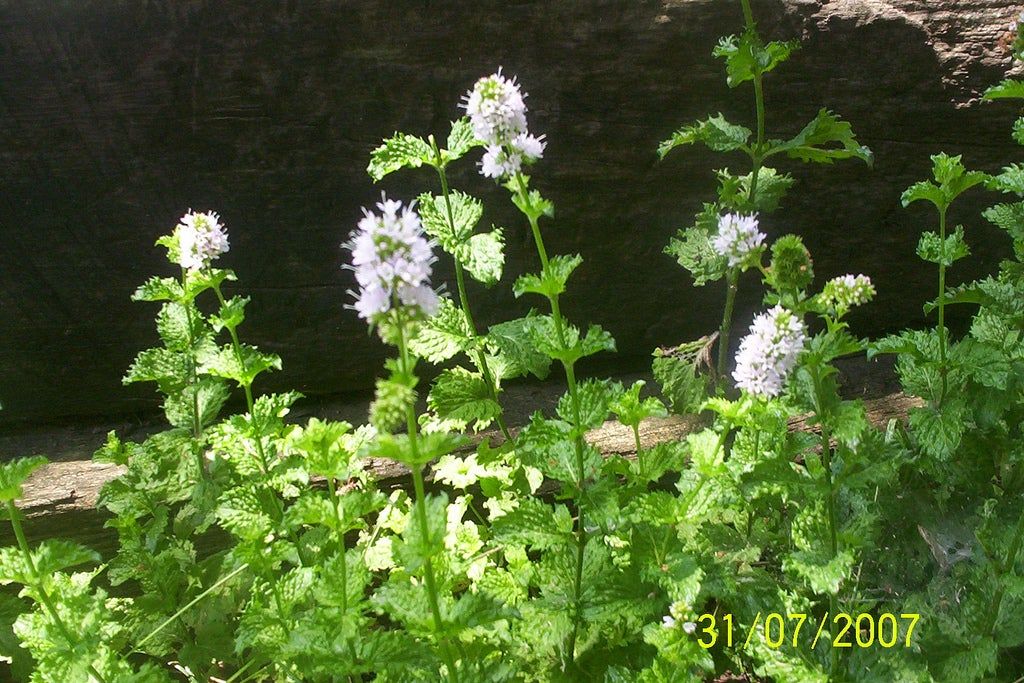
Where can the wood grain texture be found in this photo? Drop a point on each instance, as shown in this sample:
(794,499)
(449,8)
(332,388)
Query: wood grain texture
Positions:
(117,116)
(60,498)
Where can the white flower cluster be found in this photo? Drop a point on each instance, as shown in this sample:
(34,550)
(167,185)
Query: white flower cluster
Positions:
(201,239)
(497,112)
(737,237)
(846,291)
(769,353)
(677,612)
(392,260)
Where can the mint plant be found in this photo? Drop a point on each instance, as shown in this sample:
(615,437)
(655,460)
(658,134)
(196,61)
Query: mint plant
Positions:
(450,218)
(720,246)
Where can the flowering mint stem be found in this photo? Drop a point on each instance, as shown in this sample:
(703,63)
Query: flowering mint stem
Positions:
(943,370)
(570,377)
(756,151)
(246,386)
(197,428)
(732,286)
(830,501)
(421,507)
(460,279)
(44,597)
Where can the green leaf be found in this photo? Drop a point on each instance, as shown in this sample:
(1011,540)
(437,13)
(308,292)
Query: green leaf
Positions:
(678,371)
(167,368)
(461,140)
(593,398)
(242,366)
(451,233)
(734,191)
(1009,217)
(552,281)
(399,151)
(533,206)
(14,474)
(443,335)
(931,248)
(951,180)
(326,448)
(514,341)
(535,525)
(938,431)
(461,395)
(693,250)
(416,548)
(231,314)
(715,132)
(176,330)
(159,289)
(631,410)
(745,56)
(483,255)
(205,397)
(822,140)
(1008,89)
(824,575)
(1010,180)
(56,555)
(391,399)
(429,446)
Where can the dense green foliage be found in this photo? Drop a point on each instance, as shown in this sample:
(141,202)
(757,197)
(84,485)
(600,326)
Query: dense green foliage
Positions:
(254,548)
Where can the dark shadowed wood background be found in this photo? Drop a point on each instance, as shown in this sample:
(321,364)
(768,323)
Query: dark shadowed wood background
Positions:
(116,116)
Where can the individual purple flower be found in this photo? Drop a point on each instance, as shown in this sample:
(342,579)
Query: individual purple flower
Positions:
(737,238)
(201,239)
(392,261)
(769,353)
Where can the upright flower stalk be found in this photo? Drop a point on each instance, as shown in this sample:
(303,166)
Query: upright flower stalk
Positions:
(497,111)
(393,263)
(460,279)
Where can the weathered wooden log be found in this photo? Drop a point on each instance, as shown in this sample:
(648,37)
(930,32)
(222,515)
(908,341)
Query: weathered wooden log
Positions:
(118,116)
(60,498)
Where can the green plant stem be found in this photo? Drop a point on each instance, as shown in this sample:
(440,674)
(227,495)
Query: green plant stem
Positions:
(758,149)
(732,287)
(460,279)
(639,450)
(943,369)
(44,597)
(197,427)
(1011,561)
(830,502)
(246,386)
(570,378)
(169,620)
(421,509)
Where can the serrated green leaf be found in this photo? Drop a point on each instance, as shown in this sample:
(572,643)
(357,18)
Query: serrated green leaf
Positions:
(1008,89)
(693,250)
(461,395)
(14,474)
(445,334)
(824,575)
(931,248)
(746,56)
(514,342)
(159,289)
(734,191)
(824,139)
(535,524)
(461,140)
(231,313)
(715,132)
(552,281)
(454,230)
(483,256)
(399,151)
